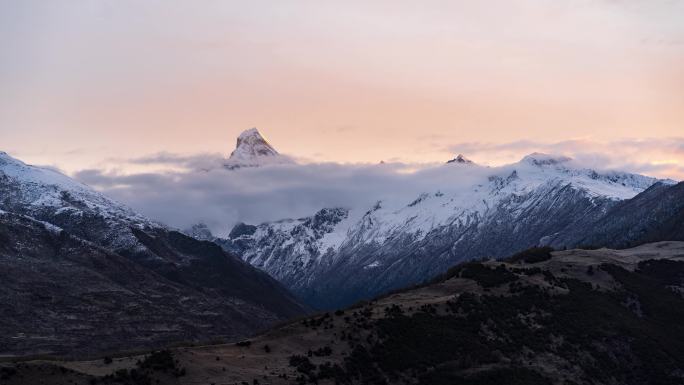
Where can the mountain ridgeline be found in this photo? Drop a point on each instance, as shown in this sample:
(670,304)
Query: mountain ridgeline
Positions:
(340,255)
(657,214)
(72,261)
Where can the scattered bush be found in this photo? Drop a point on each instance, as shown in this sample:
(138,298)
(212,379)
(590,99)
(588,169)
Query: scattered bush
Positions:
(532,255)
(7,373)
(322,352)
(302,364)
(487,277)
(508,376)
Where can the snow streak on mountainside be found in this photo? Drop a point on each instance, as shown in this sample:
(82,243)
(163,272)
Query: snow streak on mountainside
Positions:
(340,255)
(252,150)
(53,197)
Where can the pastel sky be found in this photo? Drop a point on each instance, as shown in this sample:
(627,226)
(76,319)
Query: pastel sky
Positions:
(93,84)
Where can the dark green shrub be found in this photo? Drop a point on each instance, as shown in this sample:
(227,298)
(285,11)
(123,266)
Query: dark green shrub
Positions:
(532,255)
(486,276)
(302,364)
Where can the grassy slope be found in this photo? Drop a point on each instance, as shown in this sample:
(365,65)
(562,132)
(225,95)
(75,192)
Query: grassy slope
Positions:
(575,317)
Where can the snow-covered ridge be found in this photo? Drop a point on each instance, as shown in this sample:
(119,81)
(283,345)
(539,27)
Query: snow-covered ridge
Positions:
(462,197)
(540,159)
(476,197)
(19,170)
(461,212)
(52,197)
(43,187)
(612,184)
(252,150)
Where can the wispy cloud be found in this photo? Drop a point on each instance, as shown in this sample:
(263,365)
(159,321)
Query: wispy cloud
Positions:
(191,162)
(661,157)
(333,77)
(196,188)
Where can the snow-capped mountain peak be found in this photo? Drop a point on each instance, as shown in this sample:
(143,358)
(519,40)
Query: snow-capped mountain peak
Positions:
(460,159)
(252,150)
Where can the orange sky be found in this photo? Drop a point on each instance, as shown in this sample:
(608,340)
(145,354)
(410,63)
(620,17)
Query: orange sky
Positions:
(93,83)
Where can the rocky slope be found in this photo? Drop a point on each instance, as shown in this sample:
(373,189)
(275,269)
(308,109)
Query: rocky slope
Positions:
(78,261)
(569,317)
(654,215)
(341,255)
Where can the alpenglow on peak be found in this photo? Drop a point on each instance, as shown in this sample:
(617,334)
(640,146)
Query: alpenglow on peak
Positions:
(252,150)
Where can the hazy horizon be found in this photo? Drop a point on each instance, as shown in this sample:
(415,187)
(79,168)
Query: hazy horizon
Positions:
(97,84)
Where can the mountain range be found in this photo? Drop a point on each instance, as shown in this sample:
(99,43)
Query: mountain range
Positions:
(73,259)
(340,255)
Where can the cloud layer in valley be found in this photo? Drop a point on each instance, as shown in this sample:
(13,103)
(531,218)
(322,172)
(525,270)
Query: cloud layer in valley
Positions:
(195,188)
(221,197)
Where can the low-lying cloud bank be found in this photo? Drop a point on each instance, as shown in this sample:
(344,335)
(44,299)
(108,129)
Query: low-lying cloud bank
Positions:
(221,197)
(197,188)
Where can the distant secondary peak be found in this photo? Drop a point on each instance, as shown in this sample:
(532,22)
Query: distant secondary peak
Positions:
(252,150)
(540,159)
(460,159)
(200,231)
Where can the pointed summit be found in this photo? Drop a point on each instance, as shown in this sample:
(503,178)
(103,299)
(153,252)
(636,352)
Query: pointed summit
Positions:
(460,159)
(252,150)
(251,144)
